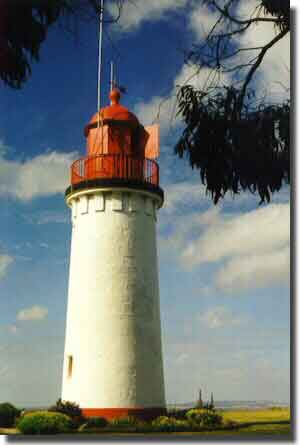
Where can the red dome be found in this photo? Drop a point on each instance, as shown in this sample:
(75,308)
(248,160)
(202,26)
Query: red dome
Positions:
(115,111)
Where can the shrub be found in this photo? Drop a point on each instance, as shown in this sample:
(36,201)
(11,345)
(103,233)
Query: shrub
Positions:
(95,422)
(204,418)
(169,424)
(124,421)
(178,413)
(44,422)
(8,415)
(71,409)
(194,414)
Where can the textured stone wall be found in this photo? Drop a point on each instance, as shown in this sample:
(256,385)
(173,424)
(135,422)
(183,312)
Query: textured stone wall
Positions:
(113,319)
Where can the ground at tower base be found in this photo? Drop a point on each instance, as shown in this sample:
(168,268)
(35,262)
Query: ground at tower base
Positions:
(273,422)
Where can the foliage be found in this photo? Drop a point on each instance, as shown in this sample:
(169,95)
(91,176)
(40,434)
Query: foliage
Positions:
(44,422)
(211,405)
(169,424)
(95,422)
(24,26)
(178,414)
(8,415)
(279,9)
(123,422)
(237,141)
(71,409)
(199,403)
(193,413)
(235,152)
(204,418)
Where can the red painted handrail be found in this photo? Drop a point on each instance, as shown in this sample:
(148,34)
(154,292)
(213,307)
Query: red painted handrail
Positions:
(115,166)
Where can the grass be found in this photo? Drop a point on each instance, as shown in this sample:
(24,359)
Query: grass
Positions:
(258,415)
(5,431)
(260,422)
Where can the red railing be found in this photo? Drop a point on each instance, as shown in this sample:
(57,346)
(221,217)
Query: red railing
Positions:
(115,167)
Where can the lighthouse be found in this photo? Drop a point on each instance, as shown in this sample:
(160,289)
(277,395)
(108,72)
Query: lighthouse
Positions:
(113,363)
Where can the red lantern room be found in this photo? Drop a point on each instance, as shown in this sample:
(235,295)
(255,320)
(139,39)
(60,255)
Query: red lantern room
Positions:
(119,150)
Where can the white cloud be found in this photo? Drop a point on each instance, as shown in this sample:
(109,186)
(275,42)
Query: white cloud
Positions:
(202,19)
(219,317)
(158,109)
(5,261)
(182,194)
(134,13)
(260,231)
(43,175)
(255,271)
(33,313)
(251,250)
(248,250)
(163,109)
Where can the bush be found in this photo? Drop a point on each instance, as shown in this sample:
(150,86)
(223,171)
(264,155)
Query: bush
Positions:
(124,422)
(95,422)
(8,415)
(169,424)
(44,422)
(71,410)
(194,414)
(204,418)
(178,413)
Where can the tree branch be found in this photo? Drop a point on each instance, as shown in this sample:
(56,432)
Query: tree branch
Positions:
(257,64)
(226,14)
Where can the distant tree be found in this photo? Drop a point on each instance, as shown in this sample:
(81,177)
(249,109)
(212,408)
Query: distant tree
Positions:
(199,403)
(237,141)
(24,26)
(212,403)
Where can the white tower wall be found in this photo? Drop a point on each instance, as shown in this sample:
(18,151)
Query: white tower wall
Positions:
(113,353)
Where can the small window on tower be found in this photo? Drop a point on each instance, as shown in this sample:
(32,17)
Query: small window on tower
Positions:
(70,365)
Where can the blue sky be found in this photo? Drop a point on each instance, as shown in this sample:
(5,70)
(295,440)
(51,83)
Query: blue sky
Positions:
(224,270)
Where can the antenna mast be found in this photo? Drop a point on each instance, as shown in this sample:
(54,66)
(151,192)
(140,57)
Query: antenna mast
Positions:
(112,80)
(100,57)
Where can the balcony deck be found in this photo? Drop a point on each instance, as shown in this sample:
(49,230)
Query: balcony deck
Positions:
(115,166)
(115,170)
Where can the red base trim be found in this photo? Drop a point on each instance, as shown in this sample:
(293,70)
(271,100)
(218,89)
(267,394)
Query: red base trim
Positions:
(112,413)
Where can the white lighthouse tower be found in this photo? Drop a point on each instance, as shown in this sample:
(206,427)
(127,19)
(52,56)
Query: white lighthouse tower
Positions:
(113,356)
